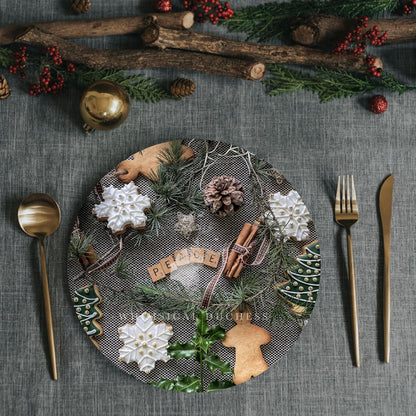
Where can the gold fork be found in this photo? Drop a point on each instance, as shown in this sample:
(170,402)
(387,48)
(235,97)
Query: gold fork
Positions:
(346,215)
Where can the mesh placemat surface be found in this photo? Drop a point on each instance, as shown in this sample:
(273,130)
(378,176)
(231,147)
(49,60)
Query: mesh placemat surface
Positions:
(214,233)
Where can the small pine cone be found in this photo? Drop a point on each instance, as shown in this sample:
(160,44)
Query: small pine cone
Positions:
(5,91)
(224,195)
(81,6)
(182,88)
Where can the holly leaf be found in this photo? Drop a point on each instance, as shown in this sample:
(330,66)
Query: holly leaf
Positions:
(182,350)
(213,362)
(187,384)
(216,333)
(164,383)
(219,385)
(201,323)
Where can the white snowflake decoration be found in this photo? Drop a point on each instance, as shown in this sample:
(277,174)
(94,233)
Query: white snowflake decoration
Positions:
(123,208)
(291,214)
(145,342)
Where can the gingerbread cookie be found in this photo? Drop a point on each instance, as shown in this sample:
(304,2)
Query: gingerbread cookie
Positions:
(85,302)
(145,342)
(302,286)
(123,208)
(147,161)
(246,338)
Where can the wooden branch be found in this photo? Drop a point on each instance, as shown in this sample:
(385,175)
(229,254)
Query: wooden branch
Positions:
(321,29)
(135,59)
(78,28)
(163,38)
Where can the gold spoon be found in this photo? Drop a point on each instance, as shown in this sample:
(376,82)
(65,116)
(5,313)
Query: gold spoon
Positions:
(39,216)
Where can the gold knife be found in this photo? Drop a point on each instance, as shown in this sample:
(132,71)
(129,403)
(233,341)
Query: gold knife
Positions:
(385,203)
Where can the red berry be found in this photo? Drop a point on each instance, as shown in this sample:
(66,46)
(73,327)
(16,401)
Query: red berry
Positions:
(377,104)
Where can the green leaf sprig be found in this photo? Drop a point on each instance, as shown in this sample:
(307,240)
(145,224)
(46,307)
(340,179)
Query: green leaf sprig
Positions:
(199,349)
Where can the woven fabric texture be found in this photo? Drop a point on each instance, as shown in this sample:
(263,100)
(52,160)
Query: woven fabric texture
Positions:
(43,149)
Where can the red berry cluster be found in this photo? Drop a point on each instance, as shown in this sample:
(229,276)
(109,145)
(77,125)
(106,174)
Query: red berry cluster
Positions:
(70,67)
(53,52)
(209,9)
(355,43)
(20,58)
(51,78)
(47,84)
(408,6)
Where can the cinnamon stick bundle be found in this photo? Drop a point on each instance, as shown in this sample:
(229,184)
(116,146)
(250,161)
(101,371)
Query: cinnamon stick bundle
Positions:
(164,38)
(321,29)
(137,59)
(235,262)
(79,28)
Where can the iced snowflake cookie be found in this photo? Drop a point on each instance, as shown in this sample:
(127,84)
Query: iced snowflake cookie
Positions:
(145,342)
(291,214)
(86,300)
(123,208)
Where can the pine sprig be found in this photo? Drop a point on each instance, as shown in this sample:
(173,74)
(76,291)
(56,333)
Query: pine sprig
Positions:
(328,84)
(270,21)
(156,221)
(139,87)
(5,57)
(174,180)
(80,245)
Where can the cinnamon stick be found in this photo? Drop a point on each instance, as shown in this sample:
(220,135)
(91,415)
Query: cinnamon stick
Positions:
(238,265)
(321,29)
(242,237)
(137,59)
(163,38)
(78,28)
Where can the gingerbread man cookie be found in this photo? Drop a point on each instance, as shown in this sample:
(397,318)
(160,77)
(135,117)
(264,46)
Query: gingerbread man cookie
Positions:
(246,338)
(147,161)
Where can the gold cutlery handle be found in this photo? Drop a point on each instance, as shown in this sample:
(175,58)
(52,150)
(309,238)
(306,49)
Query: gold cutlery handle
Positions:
(48,311)
(386,302)
(353,295)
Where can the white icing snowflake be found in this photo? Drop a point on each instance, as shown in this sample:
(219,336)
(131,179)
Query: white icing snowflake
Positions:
(291,214)
(123,208)
(145,342)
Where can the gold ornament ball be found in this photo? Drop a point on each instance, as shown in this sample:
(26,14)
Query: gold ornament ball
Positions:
(104,106)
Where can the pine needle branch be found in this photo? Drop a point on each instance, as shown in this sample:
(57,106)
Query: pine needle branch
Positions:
(174,180)
(328,84)
(5,57)
(139,87)
(270,21)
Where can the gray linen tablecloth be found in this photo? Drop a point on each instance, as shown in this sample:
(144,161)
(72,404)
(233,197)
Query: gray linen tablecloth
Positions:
(43,149)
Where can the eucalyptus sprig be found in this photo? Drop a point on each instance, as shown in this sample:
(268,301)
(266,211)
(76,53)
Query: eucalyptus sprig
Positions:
(198,349)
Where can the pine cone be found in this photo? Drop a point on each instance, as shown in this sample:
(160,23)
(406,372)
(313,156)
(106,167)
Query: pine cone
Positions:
(182,87)
(5,91)
(224,195)
(81,6)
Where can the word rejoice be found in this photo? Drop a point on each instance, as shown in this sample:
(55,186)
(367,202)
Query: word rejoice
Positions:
(193,255)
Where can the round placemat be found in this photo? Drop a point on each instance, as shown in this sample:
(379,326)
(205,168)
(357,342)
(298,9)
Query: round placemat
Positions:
(123,284)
